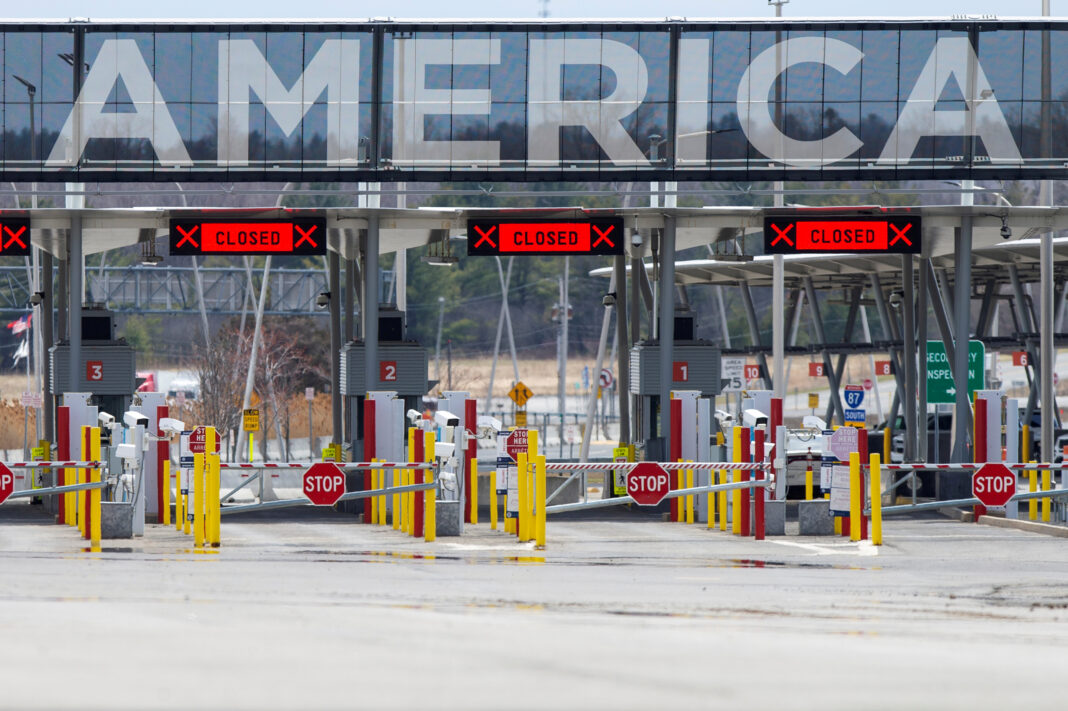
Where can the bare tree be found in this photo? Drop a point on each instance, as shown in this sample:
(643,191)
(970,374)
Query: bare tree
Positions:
(221,383)
(279,371)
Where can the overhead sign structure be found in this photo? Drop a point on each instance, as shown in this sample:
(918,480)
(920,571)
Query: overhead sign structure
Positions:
(994,484)
(941,388)
(7,482)
(305,236)
(520,393)
(324,483)
(14,237)
(494,237)
(822,232)
(648,483)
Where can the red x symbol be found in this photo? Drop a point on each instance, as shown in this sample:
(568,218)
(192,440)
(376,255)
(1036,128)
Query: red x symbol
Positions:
(187,236)
(603,236)
(15,237)
(780,235)
(485,236)
(900,235)
(305,236)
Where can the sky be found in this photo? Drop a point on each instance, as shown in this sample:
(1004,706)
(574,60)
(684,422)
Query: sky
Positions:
(599,9)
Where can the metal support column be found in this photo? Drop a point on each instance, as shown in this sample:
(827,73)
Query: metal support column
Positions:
(370,304)
(851,320)
(334,277)
(47,341)
(891,335)
(1045,336)
(754,331)
(908,307)
(622,350)
(350,300)
(962,312)
(1023,316)
(922,312)
(667,323)
(986,309)
(74,301)
(821,336)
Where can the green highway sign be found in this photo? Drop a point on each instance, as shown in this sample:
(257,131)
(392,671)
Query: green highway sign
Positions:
(940,386)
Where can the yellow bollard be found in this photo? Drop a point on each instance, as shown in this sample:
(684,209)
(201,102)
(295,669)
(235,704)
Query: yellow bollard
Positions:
(888,439)
(198,500)
(374,499)
(474,491)
(1047,503)
(539,503)
(383,499)
(1025,443)
(854,496)
(430,521)
(251,448)
(411,503)
(1032,486)
(213,490)
(808,483)
(723,475)
(710,502)
(876,500)
(69,515)
(493,499)
(837,520)
(396,502)
(167,492)
(179,500)
(689,499)
(94,495)
(736,494)
(521,524)
(83,478)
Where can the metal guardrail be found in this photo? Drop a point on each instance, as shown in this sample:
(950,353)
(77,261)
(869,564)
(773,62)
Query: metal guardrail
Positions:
(951,503)
(677,493)
(49,491)
(350,496)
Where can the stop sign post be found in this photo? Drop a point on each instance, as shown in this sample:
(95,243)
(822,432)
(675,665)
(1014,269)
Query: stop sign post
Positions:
(324,483)
(7,483)
(994,484)
(648,483)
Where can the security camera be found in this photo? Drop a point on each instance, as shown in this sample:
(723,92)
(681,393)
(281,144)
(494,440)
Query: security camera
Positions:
(609,299)
(132,418)
(126,451)
(322,300)
(105,419)
(636,238)
(171,426)
(1006,231)
(895,299)
(485,422)
(36,298)
(414,416)
(444,418)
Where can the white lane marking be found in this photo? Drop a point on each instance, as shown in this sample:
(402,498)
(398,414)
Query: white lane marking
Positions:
(861,548)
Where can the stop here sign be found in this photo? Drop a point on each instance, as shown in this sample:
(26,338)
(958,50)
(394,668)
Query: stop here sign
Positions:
(648,483)
(994,484)
(7,483)
(324,483)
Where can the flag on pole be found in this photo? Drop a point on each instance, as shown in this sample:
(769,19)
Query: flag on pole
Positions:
(22,324)
(23,350)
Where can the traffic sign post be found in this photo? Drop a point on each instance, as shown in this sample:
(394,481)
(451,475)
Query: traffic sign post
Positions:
(732,372)
(606,379)
(648,483)
(855,415)
(993,484)
(324,483)
(7,483)
(941,387)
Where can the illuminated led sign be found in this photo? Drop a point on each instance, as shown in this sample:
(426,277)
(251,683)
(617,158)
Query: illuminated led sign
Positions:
(794,234)
(303,236)
(548,237)
(14,237)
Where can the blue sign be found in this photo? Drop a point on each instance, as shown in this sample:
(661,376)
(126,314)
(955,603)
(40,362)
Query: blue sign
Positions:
(855,415)
(854,395)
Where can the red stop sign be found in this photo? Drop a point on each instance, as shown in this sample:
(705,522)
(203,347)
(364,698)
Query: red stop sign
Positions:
(198,440)
(994,484)
(648,483)
(7,482)
(324,483)
(516,443)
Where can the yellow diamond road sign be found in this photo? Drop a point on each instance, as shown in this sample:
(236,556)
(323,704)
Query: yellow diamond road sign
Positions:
(252,420)
(520,394)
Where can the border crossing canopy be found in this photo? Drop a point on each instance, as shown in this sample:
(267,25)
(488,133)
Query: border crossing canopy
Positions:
(404,101)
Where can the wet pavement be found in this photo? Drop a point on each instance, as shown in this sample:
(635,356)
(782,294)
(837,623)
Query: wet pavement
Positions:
(622,610)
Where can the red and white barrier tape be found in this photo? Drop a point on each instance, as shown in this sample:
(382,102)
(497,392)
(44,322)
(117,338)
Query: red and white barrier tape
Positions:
(670,466)
(967,466)
(52,465)
(343,465)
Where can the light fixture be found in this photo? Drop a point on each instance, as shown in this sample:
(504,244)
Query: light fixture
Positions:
(149,258)
(439,252)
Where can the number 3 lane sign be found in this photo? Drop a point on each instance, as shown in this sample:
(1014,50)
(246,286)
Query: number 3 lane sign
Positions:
(94,370)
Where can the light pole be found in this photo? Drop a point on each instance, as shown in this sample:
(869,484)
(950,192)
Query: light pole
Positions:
(778,297)
(31,91)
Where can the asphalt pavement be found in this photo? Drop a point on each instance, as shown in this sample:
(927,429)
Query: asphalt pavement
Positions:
(307,608)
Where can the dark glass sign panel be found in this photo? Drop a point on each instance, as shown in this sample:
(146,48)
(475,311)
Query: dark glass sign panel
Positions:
(14,237)
(547,237)
(304,236)
(794,234)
